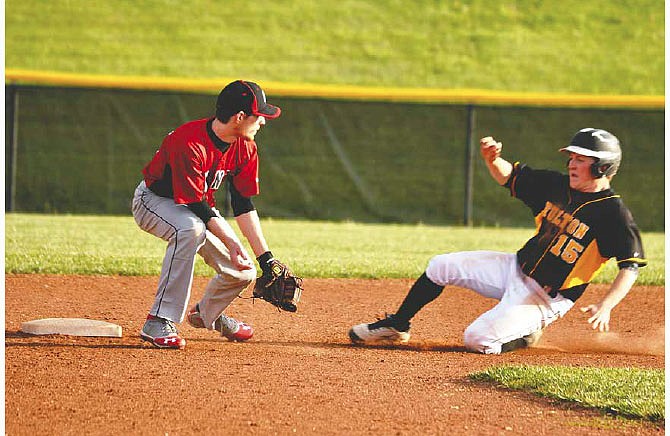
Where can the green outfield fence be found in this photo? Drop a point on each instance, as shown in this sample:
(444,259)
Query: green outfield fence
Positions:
(76,144)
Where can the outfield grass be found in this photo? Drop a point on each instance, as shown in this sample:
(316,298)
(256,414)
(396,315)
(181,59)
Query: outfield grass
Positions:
(598,46)
(65,244)
(627,392)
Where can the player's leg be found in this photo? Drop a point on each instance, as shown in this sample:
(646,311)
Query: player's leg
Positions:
(184,233)
(395,327)
(520,316)
(482,271)
(221,290)
(485,272)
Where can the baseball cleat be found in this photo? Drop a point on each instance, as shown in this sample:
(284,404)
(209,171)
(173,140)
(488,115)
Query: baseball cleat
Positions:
(382,331)
(229,328)
(529,340)
(193,317)
(233,329)
(161,333)
(533,338)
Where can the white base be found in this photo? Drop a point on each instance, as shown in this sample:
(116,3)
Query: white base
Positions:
(72,327)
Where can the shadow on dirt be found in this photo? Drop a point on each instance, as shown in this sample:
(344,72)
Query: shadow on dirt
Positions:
(17,339)
(414,346)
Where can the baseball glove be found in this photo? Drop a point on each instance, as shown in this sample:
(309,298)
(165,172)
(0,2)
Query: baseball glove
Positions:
(278,286)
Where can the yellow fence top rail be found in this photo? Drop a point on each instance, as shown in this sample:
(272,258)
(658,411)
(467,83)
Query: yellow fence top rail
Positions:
(419,95)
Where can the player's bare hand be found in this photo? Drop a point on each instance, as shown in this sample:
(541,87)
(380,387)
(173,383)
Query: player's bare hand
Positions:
(243,264)
(600,318)
(489,148)
(239,255)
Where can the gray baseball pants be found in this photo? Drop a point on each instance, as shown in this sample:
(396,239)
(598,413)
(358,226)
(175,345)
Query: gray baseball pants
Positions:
(187,236)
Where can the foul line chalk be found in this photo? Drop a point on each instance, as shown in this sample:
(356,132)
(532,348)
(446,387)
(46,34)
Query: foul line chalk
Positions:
(72,327)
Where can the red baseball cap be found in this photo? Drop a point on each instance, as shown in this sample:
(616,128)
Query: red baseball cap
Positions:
(248,97)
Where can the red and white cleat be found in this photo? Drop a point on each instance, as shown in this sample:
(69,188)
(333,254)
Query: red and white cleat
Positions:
(243,332)
(161,333)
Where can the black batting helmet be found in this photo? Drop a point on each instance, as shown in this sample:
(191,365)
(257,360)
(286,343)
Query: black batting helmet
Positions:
(601,145)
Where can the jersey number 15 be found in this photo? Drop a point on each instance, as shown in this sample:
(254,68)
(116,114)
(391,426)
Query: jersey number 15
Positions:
(569,251)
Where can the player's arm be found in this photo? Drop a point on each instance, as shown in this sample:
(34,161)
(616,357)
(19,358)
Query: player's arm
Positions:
(250,226)
(220,228)
(247,220)
(277,284)
(499,168)
(600,312)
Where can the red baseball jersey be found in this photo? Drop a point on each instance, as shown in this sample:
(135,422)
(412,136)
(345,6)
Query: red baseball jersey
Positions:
(189,167)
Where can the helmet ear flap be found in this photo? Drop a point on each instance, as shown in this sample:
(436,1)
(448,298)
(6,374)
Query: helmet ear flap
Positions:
(599,170)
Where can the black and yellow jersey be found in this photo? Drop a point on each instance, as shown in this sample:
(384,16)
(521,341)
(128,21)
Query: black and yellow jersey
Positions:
(577,232)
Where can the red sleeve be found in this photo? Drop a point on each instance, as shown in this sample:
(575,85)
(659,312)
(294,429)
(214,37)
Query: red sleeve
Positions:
(246,181)
(188,174)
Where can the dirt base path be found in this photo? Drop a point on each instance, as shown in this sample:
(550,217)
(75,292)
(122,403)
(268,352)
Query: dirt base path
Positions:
(299,374)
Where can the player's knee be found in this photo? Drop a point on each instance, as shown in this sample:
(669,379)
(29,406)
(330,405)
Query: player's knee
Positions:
(247,276)
(191,237)
(243,277)
(439,268)
(234,280)
(479,341)
(472,340)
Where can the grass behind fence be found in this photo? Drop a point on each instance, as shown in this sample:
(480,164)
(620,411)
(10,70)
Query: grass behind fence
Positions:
(62,244)
(598,46)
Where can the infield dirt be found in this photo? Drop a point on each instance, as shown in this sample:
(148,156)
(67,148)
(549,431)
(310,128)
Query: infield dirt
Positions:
(299,374)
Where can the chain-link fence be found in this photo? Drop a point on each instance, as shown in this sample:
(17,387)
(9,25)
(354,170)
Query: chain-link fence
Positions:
(79,150)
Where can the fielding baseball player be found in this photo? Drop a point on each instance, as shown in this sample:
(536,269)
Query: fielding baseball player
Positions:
(175,202)
(581,223)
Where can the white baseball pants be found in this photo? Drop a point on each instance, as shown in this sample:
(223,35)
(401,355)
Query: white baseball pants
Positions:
(523,308)
(187,236)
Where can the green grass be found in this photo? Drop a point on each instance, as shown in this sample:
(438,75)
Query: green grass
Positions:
(626,392)
(65,244)
(598,46)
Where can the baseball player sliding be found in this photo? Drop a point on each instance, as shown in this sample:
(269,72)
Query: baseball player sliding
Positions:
(175,202)
(581,224)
